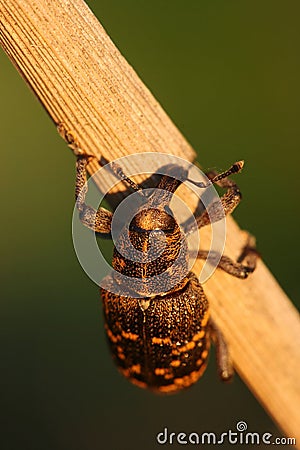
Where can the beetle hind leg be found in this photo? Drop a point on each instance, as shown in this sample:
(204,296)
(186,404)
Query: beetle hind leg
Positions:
(224,362)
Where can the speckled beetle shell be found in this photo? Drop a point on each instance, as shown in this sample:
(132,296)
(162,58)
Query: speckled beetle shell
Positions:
(160,343)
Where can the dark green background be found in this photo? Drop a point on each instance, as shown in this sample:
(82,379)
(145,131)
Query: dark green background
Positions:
(227,72)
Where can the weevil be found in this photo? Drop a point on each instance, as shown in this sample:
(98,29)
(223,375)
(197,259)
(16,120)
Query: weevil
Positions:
(161,341)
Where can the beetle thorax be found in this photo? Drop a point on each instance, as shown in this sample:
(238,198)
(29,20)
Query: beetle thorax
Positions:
(153,244)
(153,219)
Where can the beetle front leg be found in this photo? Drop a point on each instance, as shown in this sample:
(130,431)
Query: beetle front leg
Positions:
(220,208)
(97,220)
(224,363)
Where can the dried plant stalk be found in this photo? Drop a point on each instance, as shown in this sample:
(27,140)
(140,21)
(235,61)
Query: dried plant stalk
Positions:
(87,87)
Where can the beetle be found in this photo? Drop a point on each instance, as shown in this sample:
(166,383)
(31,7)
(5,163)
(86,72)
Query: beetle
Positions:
(160,337)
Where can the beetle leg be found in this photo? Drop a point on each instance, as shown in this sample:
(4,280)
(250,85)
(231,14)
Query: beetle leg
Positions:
(118,172)
(224,363)
(237,269)
(97,220)
(217,209)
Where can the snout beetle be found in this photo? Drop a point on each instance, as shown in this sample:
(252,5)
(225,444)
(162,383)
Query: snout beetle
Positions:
(161,342)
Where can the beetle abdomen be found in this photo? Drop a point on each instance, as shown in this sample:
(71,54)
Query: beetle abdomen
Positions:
(160,343)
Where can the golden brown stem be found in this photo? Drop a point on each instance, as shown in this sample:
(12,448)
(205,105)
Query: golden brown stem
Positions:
(102,106)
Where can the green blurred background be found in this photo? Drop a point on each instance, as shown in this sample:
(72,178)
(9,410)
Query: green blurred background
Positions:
(227,72)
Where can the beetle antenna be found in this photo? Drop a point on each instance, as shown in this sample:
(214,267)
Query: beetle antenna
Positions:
(235,168)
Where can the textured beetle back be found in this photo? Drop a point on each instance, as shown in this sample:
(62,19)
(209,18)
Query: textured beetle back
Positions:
(163,346)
